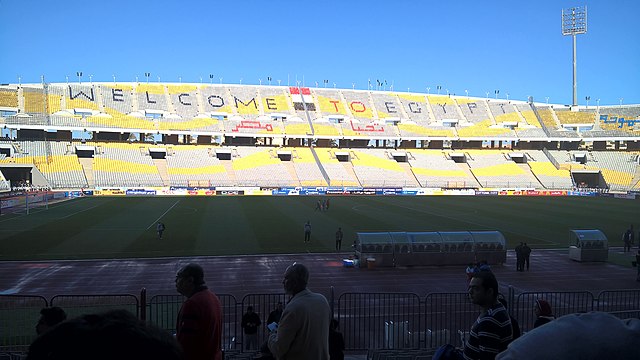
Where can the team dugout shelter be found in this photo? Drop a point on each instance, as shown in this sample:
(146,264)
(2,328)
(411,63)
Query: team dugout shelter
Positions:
(388,249)
(588,245)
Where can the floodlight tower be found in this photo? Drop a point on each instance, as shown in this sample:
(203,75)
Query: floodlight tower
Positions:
(574,22)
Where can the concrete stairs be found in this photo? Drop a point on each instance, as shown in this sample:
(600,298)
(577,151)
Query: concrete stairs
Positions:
(410,175)
(87,168)
(163,170)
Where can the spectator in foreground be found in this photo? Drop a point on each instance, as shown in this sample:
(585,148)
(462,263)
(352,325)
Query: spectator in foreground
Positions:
(543,313)
(492,331)
(199,325)
(593,335)
(49,317)
(115,334)
(515,326)
(303,331)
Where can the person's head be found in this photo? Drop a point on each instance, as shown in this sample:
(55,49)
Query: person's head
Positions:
(483,289)
(50,317)
(295,279)
(189,279)
(279,306)
(249,309)
(115,334)
(542,308)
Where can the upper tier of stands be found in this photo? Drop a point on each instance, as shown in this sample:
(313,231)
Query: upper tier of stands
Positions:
(278,110)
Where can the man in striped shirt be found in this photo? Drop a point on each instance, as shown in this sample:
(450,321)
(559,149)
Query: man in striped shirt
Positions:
(492,331)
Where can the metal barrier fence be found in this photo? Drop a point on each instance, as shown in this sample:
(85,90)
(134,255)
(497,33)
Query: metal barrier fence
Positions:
(380,320)
(367,320)
(18,318)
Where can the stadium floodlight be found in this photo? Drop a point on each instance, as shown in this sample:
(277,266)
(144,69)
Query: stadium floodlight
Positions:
(114,78)
(42,79)
(20,80)
(91,78)
(334,85)
(240,81)
(325,81)
(496,92)
(466,92)
(353,86)
(598,104)
(547,98)
(507,96)
(428,88)
(587,98)
(260,80)
(438,87)
(269,78)
(67,78)
(180,79)
(147,74)
(487,94)
(200,79)
(79,74)
(574,22)
(220,80)
(158,78)
(621,99)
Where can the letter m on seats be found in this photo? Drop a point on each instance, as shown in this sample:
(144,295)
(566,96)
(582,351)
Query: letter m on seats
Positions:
(253,100)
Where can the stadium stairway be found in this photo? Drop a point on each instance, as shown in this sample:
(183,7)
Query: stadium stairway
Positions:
(231,174)
(410,175)
(348,167)
(163,170)
(635,182)
(87,168)
(292,171)
(467,169)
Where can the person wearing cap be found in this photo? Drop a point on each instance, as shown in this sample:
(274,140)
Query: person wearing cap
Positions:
(543,313)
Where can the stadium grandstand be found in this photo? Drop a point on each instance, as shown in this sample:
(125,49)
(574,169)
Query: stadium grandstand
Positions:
(166,135)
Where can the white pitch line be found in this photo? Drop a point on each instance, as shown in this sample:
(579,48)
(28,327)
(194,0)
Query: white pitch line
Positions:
(163,214)
(78,212)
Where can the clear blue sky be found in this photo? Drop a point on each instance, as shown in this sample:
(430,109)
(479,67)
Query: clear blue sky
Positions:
(516,47)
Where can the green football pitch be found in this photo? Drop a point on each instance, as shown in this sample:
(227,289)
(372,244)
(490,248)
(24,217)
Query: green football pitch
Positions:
(117,227)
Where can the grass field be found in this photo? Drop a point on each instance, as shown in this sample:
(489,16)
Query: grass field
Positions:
(115,227)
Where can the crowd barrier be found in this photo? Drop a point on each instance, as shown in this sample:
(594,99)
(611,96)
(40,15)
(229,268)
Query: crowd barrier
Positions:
(367,320)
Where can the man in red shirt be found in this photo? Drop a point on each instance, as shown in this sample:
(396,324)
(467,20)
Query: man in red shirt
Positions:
(199,326)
